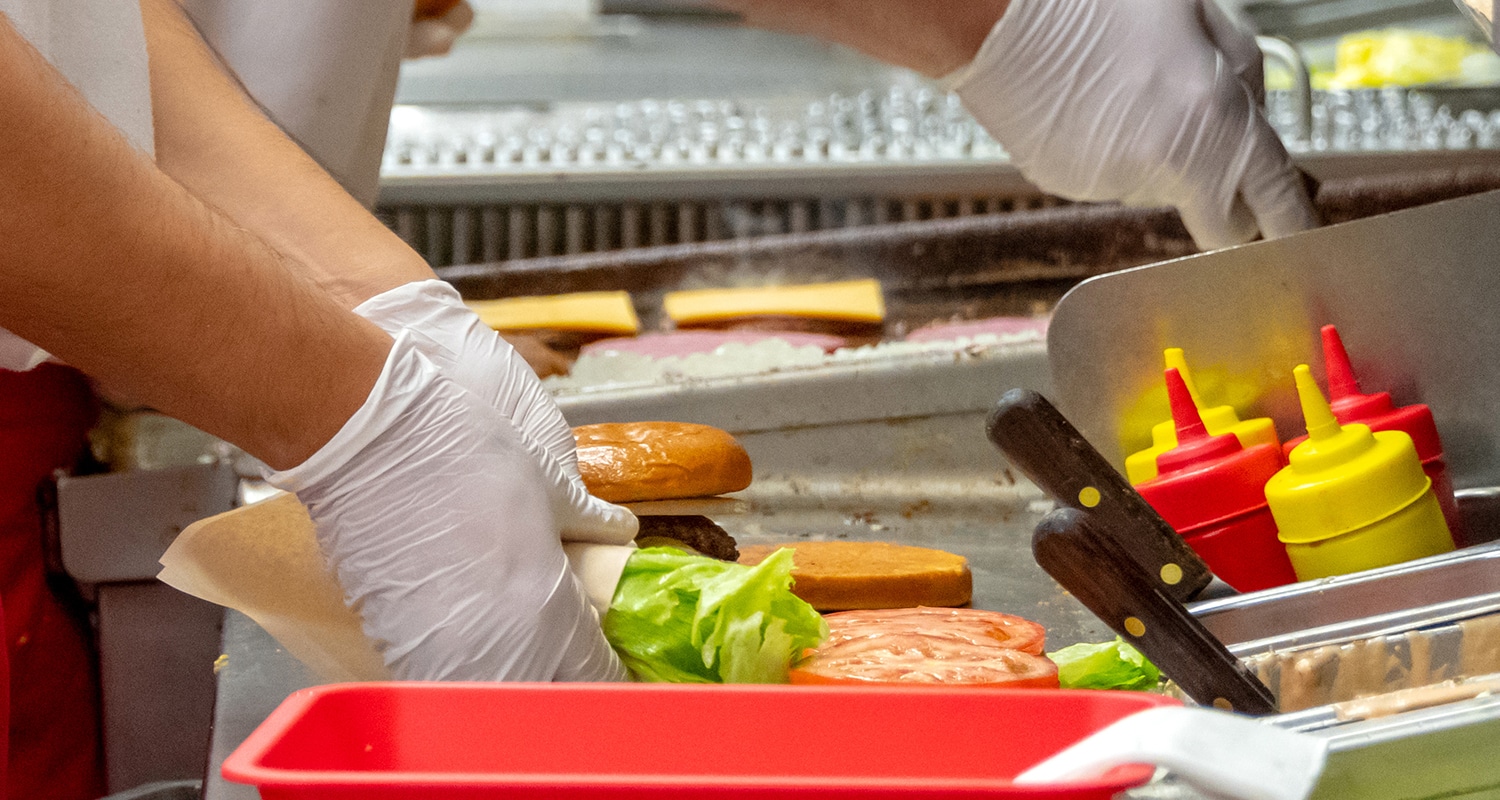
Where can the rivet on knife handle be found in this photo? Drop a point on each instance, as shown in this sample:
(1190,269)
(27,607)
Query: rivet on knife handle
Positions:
(1043,445)
(1068,545)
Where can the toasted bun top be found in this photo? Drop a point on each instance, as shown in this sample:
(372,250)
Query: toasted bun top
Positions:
(629,462)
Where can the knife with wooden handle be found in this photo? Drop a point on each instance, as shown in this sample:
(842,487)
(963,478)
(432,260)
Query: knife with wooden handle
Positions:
(1042,444)
(1070,545)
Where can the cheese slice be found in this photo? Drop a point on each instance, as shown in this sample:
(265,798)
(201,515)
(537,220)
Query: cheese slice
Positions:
(851,301)
(593,312)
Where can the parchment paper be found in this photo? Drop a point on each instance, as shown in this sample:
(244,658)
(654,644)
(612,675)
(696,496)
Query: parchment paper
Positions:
(263,560)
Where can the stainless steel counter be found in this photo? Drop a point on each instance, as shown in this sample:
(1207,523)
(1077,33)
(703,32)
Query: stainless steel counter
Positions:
(256,677)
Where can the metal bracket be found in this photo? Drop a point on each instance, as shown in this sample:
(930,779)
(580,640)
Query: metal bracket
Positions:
(114,527)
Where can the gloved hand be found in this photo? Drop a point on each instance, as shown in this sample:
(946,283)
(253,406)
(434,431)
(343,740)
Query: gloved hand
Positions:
(1148,102)
(479,360)
(435,26)
(434,516)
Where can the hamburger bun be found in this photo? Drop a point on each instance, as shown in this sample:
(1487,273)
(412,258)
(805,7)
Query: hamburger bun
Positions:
(842,576)
(631,462)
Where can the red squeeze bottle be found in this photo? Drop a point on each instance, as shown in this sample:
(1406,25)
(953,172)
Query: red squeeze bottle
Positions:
(1381,414)
(1211,490)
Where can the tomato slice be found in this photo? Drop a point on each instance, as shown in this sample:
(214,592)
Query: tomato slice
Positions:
(929,647)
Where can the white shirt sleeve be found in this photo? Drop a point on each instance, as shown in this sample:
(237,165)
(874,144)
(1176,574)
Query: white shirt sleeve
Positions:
(324,70)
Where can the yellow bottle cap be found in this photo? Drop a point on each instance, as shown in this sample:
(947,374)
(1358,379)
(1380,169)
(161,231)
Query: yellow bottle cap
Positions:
(1140,466)
(1343,477)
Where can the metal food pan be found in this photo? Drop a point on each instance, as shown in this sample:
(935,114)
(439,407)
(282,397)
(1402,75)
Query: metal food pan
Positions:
(1366,603)
(1326,684)
(1426,623)
(1445,751)
(1373,633)
(1439,748)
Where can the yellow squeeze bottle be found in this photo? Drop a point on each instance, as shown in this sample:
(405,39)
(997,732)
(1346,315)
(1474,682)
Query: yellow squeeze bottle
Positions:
(1140,466)
(1350,499)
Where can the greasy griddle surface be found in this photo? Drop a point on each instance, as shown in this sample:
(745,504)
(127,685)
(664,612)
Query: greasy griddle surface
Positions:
(939,270)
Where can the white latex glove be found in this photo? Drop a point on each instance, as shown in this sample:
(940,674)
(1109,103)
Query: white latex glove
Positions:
(482,362)
(434,516)
(1148,102)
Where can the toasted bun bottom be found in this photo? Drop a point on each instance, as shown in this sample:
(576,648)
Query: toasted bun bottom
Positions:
(842,576)
(630,462)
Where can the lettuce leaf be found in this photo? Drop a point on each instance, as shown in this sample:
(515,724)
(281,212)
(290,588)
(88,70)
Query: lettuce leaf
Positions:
(1104,665)
(687,618)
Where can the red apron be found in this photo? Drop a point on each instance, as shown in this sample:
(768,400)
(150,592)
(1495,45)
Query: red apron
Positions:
(55,749)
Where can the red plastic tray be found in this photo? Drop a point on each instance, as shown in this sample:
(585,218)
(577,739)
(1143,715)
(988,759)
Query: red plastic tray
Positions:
(376,741)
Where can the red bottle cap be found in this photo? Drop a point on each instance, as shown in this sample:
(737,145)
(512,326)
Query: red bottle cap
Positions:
(1205,478)
(1344,396)
(1375,410)
(1194,445)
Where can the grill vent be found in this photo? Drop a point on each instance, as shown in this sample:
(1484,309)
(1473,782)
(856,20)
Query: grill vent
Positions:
(469,234)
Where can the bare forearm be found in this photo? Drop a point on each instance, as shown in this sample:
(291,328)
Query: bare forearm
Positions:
(116,269)
(933,37)
(212,139)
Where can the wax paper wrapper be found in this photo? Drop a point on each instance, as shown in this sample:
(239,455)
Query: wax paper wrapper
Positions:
(263,561)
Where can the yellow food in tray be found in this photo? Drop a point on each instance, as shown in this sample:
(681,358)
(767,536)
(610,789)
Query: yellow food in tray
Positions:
(1395,57)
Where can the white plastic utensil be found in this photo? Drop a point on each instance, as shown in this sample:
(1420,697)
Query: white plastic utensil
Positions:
(1222,754)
